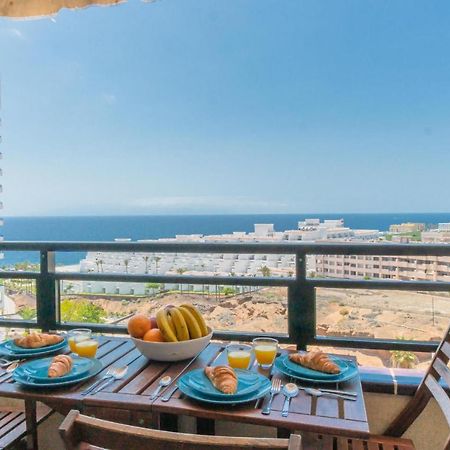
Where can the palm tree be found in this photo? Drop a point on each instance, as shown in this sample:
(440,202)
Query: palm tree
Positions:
(233,274)
(100,261)
(126,262)
(265,271)
(27,313)
(68,288)
(157,259)
(97,263)
(180,271)
(153,287)
(402,359)
(146,258)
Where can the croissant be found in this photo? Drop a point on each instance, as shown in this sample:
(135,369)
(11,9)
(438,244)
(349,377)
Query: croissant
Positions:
(60,365)
(37,340)
(223,378)
(316,361)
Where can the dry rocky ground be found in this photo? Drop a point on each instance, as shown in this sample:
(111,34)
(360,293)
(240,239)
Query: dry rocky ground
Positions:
(373,314)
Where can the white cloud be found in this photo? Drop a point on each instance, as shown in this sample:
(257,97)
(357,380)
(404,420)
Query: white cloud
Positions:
(15,33)
(109,99)
(207,203)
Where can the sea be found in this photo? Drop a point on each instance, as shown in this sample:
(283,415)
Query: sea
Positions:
(108,228)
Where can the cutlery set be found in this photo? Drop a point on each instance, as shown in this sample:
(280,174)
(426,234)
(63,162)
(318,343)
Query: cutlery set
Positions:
(291,390)
(111,375)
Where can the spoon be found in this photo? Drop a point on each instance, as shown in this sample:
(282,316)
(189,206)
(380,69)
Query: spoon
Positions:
(290,390)
(4,363)
(9,371)
(117,374)
(317,393)
(163,382)
(12,367)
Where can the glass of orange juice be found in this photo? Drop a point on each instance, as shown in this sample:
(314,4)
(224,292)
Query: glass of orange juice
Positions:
(77,336)
(265,351)
(87,348)
(239,355)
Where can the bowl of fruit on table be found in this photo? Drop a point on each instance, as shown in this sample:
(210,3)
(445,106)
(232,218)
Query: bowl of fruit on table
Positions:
(176,333)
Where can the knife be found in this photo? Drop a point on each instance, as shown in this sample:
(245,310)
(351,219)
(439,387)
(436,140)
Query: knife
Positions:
(335,391)
(170,391)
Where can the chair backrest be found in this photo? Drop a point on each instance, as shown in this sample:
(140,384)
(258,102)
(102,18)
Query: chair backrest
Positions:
(78,430)
(429,387)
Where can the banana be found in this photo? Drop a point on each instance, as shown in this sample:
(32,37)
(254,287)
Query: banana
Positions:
(171,325)
(198,316)
(194,329)
(179,323)
(162,320)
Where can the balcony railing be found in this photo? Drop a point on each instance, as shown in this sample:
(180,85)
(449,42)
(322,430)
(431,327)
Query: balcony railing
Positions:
(301,295)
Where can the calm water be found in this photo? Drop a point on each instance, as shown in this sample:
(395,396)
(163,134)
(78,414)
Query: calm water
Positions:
(146,227)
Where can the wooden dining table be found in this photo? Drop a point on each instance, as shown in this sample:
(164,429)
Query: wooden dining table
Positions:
(128,400)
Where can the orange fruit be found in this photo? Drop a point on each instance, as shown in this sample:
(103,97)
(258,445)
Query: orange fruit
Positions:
(154,335)
(138,325)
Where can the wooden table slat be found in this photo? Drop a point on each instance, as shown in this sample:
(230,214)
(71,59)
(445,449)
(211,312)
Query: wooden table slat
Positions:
(327,407)
(150,374)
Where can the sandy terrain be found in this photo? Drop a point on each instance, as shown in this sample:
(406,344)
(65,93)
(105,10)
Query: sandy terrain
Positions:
(379,314)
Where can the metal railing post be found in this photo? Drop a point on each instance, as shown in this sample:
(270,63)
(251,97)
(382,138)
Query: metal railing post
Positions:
(46,293)
(301,306)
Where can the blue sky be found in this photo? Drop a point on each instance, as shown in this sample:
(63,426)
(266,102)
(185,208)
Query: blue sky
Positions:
(219,106)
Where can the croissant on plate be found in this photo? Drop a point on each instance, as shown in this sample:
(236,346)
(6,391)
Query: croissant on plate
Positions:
(37,340)
(60,365)
(223,378)
(317,361)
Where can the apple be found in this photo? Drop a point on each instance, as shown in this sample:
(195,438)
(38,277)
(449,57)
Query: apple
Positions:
(153,322)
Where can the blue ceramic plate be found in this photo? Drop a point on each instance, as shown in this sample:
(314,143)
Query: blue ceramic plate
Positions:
(350,373)
(4,351)
(263,390)
(38,370)
(247,382)
(315,374)
(22,378)
(12,347)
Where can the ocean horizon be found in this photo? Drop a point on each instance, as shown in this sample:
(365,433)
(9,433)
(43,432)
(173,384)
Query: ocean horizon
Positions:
(108,228)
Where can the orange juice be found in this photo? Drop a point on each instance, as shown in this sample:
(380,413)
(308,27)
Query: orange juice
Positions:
(74,340)
(86,348)
(265,354)
(239,359)
(265,351)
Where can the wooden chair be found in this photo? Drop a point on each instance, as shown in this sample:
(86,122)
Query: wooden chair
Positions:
(81,432)
(428,388)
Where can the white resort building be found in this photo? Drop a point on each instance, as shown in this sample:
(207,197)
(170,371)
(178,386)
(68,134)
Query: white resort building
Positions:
(311,230)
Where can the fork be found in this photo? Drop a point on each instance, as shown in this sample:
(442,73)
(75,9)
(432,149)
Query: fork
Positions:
(117,374)
(107,376)
(274,390)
